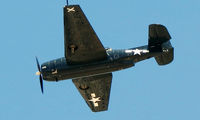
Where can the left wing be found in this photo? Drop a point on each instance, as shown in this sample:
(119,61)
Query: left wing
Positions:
(95,90)
(81,42)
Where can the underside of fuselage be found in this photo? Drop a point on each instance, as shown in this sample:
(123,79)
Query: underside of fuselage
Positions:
(59,69)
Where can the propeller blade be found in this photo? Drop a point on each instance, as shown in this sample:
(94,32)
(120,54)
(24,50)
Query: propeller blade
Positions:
(41,84)
(38,65)
(40,75)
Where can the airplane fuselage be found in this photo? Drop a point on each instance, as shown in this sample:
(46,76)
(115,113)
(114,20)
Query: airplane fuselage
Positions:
(59,69)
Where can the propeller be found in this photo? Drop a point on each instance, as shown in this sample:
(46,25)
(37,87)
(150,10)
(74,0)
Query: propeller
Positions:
(40,75)
(67,2)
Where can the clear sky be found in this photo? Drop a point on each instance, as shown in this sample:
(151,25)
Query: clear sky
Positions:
(30,28)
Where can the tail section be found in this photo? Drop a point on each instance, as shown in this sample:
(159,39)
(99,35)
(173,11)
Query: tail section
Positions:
(167,55)
(159,42)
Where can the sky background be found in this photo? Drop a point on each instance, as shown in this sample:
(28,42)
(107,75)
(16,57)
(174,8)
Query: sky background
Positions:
(30,28)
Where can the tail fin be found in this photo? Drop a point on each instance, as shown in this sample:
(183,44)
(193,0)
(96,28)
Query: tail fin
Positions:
(159,42)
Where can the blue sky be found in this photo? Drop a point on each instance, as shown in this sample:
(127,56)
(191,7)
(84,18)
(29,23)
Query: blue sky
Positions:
(144,92)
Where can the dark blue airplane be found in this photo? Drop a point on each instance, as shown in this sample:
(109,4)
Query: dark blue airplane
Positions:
(90,65)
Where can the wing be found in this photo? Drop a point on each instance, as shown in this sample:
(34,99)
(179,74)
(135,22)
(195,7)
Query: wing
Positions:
(81,42)
(95,90)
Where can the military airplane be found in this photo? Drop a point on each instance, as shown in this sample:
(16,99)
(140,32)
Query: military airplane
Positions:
(90,65)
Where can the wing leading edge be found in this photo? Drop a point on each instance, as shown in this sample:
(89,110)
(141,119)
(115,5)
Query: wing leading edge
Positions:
(81,42)
(95,90)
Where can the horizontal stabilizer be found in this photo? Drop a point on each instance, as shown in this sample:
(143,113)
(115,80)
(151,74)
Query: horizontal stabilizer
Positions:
(166,57)
(158,34)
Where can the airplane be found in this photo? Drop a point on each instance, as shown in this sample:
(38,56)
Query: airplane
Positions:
(90,65)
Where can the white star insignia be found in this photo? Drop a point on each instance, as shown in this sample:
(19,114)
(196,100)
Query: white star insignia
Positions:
(95,100)
(137,52)
(70,9)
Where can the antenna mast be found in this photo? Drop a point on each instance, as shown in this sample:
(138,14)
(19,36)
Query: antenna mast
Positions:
(67,2)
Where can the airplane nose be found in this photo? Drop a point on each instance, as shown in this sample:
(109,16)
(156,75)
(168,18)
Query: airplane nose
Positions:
(38,73)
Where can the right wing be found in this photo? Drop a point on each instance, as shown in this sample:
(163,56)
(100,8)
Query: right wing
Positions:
(95,90)
(81,42)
